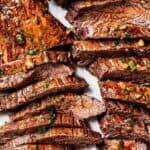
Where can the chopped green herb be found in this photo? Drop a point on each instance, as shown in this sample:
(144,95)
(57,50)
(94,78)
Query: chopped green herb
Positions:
(50,109)
(123,60)
(121,145)
(116,42)
(132,89)
(47,84)
(32,51)
(148,65)
(44,47)
(128,33)
(41,130)
(1,72)
(125,92)
(121,41)
(132,65)
(50,120)
(131,121)
(20,40)
(23,33)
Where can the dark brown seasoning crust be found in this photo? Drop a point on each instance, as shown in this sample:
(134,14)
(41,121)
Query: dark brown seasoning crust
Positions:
(39,124)
(118,126)
(40,89)
(30,62)
(28,26)
(121,144)
(81,6)
(126,92)
(127,20)
(62,136)
(63,3)
(80,106)
(39,73)
(84,52)
(123,68)
(117,107)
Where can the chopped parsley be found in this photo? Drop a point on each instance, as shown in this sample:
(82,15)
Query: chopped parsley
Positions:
(41,130)
(121,145)
(132,65)
(1,72)
(32,51)
(20,40)
(128,33)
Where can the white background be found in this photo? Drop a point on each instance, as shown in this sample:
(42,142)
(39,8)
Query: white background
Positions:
(94,91)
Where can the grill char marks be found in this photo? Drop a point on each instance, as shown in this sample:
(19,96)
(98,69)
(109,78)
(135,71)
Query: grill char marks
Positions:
(40,89)
(30,27)
(126,92)
(62,136)
(84,52)
(127,20)
(117,126)
(126,144)
(38,124)
(81,6)
(39,73)
(80,106)
(123,68)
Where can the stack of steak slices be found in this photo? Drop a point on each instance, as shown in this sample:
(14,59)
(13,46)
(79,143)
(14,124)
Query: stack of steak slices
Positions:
(45,98)
(117,32)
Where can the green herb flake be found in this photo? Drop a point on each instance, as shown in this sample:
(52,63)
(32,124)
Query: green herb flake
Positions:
(41,130)
(132,65)
(50,109)
(50,120)
(32,51)
(121,145)
(148,65)
(22,32)
(20,40)
(44,47)
(131,121)
(122,42)
(128,33)
(1,72)
(47,84)
(126,92)
(132,89)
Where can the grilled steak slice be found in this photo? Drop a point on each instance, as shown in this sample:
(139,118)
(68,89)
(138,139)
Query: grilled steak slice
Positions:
(81,6)
(126,20)
(84,52)
(117,144)
(30,62)
(63,3)
(126,92)
(81,106)
(40,89)
(122,68)
(117,126)
(39,73)
(116,107)
(38,124)
(31,29)
(62,136)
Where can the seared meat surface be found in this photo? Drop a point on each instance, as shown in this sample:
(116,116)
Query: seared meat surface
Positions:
(40,89)
(126,20)
(126,92)
(80,106)
(122,68)
(26,28)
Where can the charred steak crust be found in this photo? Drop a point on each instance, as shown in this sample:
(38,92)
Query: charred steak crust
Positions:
(84,52)
(62,136)
(118,126)
(40,89)
(31,29)
(80,106)
(126,92)
(127,20)
(123,68)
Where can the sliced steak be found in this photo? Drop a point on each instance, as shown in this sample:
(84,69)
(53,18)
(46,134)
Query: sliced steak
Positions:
(39,124)
(63,3)
(123,68)
(117,144)
(80,106)
(117,126)
(41,72)
(62,136)
(81,6)
(126,92)
(30,62)
(126,20)
(116,107)
(40,89)
(31,29)
(84,52)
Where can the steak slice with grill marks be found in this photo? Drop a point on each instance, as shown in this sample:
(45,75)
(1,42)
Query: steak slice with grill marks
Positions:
(62,136)
(126,20)
(38,124)
(39,73)
(126,92)
(81,6)
(31,28)
(117,126)
(116,107)
(40,89)
(123,68)
(116,144)
(84,52)
(80,106)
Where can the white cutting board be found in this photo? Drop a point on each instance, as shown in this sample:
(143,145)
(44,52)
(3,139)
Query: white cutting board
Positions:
(94,91)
